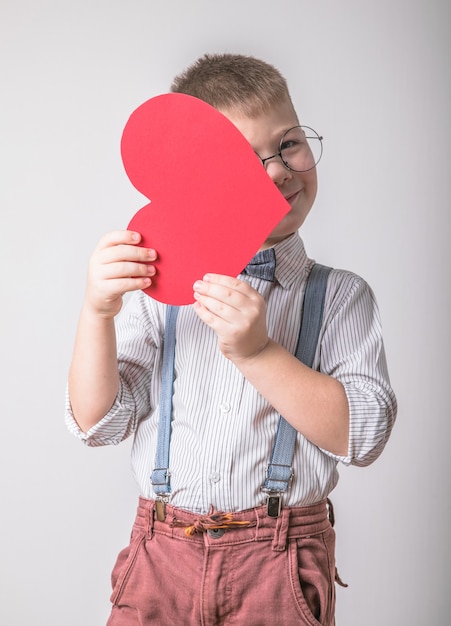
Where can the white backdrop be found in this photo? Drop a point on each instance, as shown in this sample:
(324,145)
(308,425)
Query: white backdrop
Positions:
(374,78)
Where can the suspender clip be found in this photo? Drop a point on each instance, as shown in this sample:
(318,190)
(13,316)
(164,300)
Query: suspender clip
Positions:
(273,503)
(160,507)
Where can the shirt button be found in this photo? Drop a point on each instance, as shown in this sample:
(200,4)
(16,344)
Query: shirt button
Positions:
(216,533)
(225,407)
(215,477)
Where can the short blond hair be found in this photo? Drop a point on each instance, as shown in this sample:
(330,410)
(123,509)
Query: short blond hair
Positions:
(233,82)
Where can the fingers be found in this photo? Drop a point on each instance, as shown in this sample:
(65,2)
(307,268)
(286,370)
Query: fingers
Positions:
(118,265)
(119,255)
(117,237)
(228,282)
(225,296)
(235,311)
(124,244)
(123,261)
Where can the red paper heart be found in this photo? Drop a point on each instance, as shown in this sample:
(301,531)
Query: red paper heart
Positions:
(212,203)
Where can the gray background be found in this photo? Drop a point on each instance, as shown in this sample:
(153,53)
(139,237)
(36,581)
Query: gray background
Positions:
(374,78)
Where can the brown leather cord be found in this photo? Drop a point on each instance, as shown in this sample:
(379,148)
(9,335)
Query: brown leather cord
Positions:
(213,521)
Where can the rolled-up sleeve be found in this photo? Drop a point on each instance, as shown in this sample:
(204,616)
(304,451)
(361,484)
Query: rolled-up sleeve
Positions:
(139,332)
(352,351)
(117,425)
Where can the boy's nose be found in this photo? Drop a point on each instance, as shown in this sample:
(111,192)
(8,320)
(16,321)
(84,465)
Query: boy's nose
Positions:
(277,171)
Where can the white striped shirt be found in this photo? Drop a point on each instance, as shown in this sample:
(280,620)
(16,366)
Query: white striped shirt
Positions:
(223,429)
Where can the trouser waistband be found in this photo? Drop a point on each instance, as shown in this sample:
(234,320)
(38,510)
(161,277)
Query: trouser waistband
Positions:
(243,526)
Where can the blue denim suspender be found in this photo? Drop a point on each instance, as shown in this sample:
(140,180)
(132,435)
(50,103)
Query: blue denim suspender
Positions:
(279,472)
(160,477)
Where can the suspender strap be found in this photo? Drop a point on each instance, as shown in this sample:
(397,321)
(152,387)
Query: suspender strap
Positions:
(279,471)
(312,314)
(160,476)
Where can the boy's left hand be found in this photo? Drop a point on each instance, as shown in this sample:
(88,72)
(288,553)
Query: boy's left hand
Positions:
(235,311)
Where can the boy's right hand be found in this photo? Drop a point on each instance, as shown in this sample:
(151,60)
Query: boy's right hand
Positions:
(117,266)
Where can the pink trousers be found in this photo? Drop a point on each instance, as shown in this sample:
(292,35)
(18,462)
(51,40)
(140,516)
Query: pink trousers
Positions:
(245,569)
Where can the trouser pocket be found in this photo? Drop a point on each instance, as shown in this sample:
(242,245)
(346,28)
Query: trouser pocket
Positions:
(312,571)
(123,568)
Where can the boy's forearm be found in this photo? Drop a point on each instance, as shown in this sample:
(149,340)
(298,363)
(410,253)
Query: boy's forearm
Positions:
(313,403)
(93,374)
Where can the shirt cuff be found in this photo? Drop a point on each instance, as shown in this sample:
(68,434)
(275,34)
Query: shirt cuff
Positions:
(113,428)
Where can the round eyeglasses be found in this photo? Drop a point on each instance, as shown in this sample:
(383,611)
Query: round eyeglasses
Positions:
(300,149)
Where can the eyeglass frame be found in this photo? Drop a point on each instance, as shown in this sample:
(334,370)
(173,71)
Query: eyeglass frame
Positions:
(279,154)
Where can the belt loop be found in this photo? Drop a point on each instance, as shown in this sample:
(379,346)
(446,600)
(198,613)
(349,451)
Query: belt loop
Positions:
(150,518)
(260,516)
(279,543)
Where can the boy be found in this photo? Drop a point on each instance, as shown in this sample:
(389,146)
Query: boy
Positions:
(212,552)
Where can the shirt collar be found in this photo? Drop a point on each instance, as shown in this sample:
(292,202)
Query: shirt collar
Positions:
(291,260)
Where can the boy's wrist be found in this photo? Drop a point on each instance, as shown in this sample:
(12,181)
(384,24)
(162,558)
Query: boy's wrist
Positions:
(255,357)
(98,314)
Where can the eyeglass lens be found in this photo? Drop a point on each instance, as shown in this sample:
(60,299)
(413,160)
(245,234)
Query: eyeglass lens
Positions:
(301,148)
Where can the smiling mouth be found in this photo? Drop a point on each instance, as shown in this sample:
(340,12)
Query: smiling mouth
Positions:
(290,199)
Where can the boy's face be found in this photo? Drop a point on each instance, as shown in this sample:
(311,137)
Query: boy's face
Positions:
(264,133)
